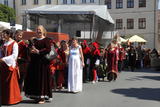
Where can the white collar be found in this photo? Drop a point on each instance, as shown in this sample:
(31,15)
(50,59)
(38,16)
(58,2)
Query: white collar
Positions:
(8,42)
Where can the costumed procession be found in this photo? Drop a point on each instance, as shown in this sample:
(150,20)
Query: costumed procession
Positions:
(39,65)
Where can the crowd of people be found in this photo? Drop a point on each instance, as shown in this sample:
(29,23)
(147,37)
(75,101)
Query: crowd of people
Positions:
(25,67)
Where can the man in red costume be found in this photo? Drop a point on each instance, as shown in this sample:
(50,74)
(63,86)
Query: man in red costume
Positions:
(95,60)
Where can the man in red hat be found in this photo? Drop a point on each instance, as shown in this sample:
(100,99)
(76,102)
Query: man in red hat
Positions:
(95,60)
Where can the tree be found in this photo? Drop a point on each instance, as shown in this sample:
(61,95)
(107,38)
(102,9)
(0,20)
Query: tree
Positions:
(7,14)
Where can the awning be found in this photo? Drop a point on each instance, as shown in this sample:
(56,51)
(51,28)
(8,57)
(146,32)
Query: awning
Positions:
(98,10)
(136,38)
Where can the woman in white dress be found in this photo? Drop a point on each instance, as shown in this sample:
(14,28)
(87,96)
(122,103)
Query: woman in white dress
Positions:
(76,63)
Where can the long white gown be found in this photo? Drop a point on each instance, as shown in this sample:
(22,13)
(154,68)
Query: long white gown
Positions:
(75,70)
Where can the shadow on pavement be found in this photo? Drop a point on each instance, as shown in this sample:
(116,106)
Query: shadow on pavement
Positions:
(150,77)
(28,102)
(140,93)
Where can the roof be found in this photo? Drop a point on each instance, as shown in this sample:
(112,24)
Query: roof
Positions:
(98,10)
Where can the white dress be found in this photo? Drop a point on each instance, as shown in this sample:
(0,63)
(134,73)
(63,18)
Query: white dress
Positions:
(75,70)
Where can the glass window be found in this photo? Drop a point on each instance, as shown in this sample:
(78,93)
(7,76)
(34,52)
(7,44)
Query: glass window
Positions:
(119,4)
(142,3)
(108,3)
(83,1)
(35,1)
(23,2)
(130,23)
(91,1)
(119,23)
(130,3)
(64,1)
(142,23)
(72,1)
(48,1)
(6,2)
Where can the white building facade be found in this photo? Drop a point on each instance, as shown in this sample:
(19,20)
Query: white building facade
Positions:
(135,17)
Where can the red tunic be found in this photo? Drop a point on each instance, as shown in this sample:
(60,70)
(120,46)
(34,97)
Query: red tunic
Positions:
(22,56)
(22,48)
(9,81)
(112,59)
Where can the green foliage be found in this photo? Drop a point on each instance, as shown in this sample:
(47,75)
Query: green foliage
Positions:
(6,13)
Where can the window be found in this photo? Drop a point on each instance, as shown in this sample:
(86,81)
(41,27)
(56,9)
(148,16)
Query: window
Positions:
(119,4)
(142,3)
(35,1)
(6,2)
(108,3)
(119,23)
(130,3)
(72,1)
(130,23)
(142,23)
(83,1)
(64,1)
(91,1)
(48,1)
(23,2)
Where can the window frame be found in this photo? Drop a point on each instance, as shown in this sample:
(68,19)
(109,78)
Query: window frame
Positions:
(142,23)
(130,23)
(6,2)
(84,1)
(64,1)
(23,2)
(119,23)
(48,2)
(72,1)
(130,3)
(92,1)
(36,2)
(142,4)
(119,4)
(108,3)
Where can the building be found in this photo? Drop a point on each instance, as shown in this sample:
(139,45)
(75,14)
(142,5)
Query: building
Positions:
(135,17)
(131,16)
(10,3)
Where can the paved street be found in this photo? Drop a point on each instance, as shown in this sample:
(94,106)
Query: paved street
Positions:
(132,89)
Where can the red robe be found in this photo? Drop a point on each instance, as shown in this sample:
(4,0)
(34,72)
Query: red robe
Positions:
(22,56)
(9,81)
(112,59)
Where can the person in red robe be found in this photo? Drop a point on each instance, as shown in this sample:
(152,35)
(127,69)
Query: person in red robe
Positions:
(10,91)
(86,52)
(38,77)
(22,56)
(112,60)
